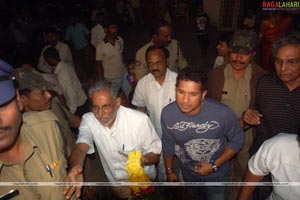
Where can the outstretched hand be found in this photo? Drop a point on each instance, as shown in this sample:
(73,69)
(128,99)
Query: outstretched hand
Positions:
(75,175)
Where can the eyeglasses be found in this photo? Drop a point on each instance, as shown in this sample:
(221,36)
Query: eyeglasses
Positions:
(104,108)
(292,63)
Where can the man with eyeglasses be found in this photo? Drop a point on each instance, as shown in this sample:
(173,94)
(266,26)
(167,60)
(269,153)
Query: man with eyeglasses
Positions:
(116,130)
(277,107)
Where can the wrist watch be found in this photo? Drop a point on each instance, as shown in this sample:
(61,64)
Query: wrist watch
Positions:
(214,165)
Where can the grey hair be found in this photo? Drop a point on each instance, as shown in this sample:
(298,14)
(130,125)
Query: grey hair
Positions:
(289,39)
(103,85)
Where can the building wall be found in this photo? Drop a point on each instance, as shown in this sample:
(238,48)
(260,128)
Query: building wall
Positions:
(212,8)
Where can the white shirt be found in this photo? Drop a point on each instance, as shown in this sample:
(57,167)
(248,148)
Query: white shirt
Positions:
(52,79)
(150,94)
(112,58)
(132,130)
(72,89)
(97,35)
(279,156)
(64,54)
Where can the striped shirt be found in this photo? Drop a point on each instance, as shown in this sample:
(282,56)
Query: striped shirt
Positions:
(280,108)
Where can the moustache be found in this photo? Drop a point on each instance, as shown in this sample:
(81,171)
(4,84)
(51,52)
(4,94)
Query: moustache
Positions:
(155,70)
(238,62)
(6,128)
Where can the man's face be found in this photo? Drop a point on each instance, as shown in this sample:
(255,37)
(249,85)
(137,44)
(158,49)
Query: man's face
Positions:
(189,97)
(157,63)
(52,62)
(222,48)
(287,64)
(100,19)
(52,39)
(10,122)
(112,30)
(240,61)
(105,107)
(36,100)
(164,36)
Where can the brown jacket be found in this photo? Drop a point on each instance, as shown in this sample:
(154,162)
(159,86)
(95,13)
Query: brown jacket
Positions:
(216,81)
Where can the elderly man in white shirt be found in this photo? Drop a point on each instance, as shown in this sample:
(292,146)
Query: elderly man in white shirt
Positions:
(280,157)
(156,90)
(114,129)
(63,49)
(73,92)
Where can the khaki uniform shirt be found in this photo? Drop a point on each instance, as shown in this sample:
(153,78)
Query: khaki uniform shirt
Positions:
(236,93)
(42,145)
(176,60)
(65,118)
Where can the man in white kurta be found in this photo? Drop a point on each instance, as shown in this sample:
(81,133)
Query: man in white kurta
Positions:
(62,48)
(72,88)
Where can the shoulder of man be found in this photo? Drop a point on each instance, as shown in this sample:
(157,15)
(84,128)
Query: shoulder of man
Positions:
(37,117)
(257,70)
(280,142)
(143,48)
(217,70)
(174,44)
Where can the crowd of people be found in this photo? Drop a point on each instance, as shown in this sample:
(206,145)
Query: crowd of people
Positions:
(240,122)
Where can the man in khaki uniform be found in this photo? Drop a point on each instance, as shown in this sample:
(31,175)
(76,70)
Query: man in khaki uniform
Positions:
(29,152)
(161,35)
(35,96)
(234,84)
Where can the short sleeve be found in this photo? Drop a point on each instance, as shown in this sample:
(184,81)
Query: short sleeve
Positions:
(85,134)
(257,164)
(138,97)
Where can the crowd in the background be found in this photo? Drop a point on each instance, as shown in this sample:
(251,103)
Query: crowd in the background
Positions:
(72,107)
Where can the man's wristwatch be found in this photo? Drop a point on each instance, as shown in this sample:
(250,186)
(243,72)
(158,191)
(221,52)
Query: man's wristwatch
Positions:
(214,165)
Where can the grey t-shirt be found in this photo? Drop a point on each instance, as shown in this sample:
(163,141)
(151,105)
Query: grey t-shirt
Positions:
(202,137)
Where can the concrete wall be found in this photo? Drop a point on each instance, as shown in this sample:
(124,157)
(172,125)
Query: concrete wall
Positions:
(212,8)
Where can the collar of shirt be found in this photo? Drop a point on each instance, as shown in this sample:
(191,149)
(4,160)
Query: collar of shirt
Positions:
(116,127)
(167,76)
(58,67)
(105,40)
(280,82)
(28,149)
(228,72)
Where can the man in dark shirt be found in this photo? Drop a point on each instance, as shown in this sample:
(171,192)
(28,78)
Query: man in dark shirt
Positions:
(277,107)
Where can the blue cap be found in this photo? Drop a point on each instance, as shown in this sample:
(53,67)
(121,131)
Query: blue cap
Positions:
(7,88)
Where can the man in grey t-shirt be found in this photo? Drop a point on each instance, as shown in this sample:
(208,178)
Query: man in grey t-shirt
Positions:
(207,131)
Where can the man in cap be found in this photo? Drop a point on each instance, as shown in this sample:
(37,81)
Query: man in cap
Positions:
(25,156)
(234,84)
(35,95)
